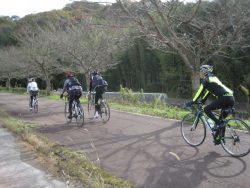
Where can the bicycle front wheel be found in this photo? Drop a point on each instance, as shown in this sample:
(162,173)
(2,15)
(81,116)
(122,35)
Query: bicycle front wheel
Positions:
(193,130)
(80,116)
(105,111)
(66,112)
(91,107)
(235,138)
(35,107)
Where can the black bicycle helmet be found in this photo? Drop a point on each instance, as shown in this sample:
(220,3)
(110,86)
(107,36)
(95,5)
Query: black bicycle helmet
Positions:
(94,73)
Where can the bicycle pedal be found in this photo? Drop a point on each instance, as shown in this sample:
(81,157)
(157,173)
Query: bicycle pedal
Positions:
(216,142)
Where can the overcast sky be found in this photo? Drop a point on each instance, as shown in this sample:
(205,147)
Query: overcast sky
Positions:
(24,7)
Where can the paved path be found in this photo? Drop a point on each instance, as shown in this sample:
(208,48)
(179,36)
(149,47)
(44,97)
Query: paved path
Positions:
(19,169)
(147,151)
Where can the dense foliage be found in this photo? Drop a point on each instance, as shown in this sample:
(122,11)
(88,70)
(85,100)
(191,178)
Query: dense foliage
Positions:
(138,65)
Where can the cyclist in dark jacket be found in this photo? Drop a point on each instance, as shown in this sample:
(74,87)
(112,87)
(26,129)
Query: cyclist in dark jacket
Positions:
(98,85)
(212,85)
(74,89)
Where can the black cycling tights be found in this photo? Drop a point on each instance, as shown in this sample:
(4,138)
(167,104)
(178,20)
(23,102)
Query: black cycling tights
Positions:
(32,95)
(98,95)
(220,103)
(74,95)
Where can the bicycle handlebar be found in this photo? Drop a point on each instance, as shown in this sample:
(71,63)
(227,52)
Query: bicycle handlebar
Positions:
(192,107)
(199,103)
(98,86)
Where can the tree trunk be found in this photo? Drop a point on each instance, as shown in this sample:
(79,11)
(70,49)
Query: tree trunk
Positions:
(195,81)
(141,61)
(8,83)
(48,86)
(87,78)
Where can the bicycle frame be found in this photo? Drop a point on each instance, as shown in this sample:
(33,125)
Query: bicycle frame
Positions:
(75,108)
(92,98)
(204,119)
(34,103)
(35,99)
(77,112)
(104,110)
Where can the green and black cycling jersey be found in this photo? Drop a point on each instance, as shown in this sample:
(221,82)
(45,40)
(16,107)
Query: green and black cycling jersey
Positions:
(212,85)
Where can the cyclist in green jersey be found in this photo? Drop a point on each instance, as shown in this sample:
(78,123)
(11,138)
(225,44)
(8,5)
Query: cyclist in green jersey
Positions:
(210,84)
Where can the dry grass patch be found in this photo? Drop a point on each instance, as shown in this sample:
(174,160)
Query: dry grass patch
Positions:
(70,165)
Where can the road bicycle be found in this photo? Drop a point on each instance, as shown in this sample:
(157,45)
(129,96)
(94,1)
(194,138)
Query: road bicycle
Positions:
(104,111)
(77,112)
(34,103)
(233,134)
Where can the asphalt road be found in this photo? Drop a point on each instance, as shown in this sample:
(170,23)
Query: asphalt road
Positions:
(147,151)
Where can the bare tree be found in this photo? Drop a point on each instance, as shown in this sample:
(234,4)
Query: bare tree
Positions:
(195,31)
(89,47)
(41,53)
(11,63)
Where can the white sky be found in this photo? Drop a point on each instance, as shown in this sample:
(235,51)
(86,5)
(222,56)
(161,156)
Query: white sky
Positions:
(24,7)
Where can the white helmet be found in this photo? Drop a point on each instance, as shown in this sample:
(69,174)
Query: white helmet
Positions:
(206,69)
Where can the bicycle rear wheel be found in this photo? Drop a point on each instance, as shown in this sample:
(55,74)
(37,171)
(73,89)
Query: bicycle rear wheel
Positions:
(235,138)
(105,111)
(35,105)
(193,131)
(80,116)
(66,112)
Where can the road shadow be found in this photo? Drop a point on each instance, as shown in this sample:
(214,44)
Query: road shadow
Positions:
(194,172)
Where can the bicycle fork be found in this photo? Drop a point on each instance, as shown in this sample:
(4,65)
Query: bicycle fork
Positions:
(195,123)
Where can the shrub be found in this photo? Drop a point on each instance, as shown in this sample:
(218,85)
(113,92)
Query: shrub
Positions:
(129,96)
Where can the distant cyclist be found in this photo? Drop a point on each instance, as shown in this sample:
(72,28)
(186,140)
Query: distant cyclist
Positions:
(74,89)
(32,89)
(212,85)
(98,85)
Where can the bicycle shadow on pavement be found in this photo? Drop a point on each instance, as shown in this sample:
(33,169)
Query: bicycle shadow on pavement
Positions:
(57,128)
(146,160)
(90,120)
(206,171)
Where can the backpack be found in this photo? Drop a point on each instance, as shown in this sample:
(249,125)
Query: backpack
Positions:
(105,85)
(72,82)
(97,80)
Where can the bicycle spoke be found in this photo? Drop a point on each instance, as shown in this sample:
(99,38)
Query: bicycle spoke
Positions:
(193,133)
(237,138)
(66,112)
(80,116)
(105,111)
(35,105)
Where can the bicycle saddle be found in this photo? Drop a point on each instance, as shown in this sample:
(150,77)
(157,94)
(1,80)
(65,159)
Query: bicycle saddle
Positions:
(226,111)
(229,110)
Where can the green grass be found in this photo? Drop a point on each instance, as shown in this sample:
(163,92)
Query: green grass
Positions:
(147,109)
